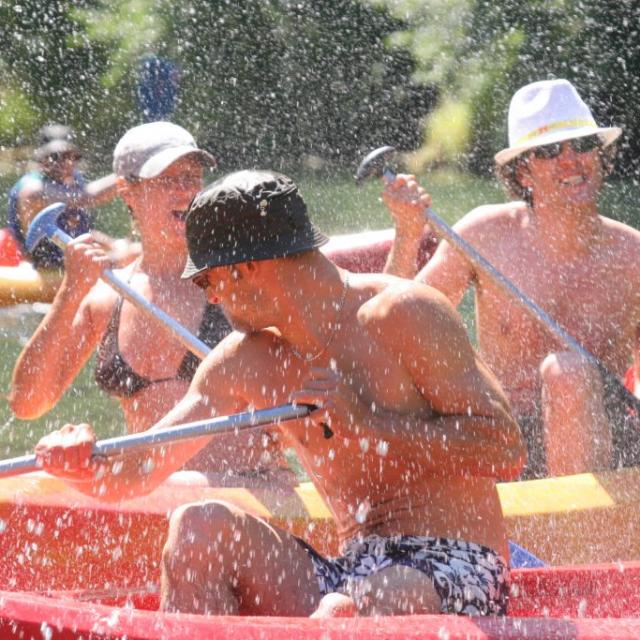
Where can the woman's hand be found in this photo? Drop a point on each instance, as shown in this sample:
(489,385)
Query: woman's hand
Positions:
(85,258)
(121,251)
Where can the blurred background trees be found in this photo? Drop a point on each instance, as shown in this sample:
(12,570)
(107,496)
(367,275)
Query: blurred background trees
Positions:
(478,52)
(316,81)
(259,80)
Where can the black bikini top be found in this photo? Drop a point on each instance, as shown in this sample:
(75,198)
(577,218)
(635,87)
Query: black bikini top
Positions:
(113,373)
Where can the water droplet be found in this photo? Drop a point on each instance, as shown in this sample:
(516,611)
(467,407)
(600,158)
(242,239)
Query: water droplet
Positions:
(148,466)
(117,467)
(46,631)
(362,512)
(382,448)
(582,608)
(443,633)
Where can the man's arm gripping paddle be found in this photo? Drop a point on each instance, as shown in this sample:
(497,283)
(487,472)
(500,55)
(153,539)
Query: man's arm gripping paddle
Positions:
(138,441)
(376,164)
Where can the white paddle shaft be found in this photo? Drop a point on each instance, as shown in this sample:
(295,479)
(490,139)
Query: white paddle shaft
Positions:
(191,342)
(222,424)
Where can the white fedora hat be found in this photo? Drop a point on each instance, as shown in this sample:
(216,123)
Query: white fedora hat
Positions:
(546,112)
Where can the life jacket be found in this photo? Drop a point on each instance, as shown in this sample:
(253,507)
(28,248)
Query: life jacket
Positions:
(73,220)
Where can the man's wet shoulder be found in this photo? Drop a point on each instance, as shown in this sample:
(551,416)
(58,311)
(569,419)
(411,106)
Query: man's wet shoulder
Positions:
(504,214)
(239,353)
(400,299)
(251,342)
(622,231)
(623,246)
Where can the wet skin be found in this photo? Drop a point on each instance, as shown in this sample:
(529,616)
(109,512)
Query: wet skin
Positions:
(374,480)
(78,319)
(578,266)
(421,433)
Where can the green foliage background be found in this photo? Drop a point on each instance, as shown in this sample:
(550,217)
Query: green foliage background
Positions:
(271,81)
(260,80)
(478,52)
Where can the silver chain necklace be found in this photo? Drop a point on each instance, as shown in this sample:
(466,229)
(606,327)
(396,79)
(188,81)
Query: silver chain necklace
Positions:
(334,329)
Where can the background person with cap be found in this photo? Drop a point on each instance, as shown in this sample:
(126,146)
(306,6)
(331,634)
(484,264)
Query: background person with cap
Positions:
(420,429)
(576,264)
(57,179)
(159,170)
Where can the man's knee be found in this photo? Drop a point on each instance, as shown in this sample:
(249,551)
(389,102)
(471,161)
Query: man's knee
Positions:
(198,517)
(397,590)
(335,605)
(198,571)
(196,530)
(568,374)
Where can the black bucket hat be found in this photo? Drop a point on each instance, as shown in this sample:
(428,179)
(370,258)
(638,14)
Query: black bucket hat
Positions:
(247,216)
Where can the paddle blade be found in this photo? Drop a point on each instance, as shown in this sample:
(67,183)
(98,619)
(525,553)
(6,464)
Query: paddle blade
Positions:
(44,225)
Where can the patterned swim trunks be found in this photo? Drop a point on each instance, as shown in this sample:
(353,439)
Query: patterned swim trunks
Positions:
(469,578)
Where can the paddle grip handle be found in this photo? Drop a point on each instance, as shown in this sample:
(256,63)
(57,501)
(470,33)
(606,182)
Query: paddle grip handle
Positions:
(389,175)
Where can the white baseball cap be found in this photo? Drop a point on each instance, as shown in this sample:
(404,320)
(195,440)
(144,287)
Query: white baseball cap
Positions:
(148,149)
(549,111)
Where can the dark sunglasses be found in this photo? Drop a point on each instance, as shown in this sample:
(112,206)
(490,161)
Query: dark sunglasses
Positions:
(58,156)
(579,145)
(202,279)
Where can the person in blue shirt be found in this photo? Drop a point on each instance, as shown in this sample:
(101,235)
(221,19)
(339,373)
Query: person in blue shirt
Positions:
(56,179)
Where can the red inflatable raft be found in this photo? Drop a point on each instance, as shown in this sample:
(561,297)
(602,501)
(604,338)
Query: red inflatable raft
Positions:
(74,567)
(77,567)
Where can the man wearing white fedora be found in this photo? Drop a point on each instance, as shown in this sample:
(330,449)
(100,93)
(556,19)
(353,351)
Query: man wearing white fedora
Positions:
(554,245)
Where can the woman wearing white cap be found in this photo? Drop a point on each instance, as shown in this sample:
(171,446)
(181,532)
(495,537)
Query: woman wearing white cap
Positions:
(159,169)
(581,267)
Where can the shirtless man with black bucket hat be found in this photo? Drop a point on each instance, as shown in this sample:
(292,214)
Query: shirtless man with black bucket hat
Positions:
(407,438)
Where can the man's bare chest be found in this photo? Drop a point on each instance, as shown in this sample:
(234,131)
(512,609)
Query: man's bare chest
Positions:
(376,375)
(591,300)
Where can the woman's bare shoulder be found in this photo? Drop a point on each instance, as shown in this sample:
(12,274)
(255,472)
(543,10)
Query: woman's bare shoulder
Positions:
(99,303)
